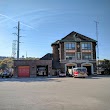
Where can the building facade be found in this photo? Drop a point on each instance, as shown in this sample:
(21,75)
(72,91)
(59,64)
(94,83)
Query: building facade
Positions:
(74,50)
(32,68)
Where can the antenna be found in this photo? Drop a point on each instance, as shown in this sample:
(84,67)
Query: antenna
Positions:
(97,39)
(97,45)
(26,54)
(14,48)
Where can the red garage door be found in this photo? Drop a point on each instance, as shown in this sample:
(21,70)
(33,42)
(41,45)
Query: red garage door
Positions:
(23,71)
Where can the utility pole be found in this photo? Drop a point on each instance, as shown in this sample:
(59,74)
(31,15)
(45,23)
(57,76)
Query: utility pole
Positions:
(18,36)
(18,40)
(97,46)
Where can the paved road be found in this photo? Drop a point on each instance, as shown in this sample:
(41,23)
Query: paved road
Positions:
(92,93)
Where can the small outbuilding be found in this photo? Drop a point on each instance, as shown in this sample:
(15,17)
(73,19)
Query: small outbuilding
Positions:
(32,68)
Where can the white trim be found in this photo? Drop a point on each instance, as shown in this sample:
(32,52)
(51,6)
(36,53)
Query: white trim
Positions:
(92,72)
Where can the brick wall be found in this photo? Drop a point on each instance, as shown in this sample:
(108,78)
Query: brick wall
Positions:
(33,64)
(62,50)
(94,50)
(55,52)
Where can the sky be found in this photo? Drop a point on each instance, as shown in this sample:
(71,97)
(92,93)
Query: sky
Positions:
(42,22)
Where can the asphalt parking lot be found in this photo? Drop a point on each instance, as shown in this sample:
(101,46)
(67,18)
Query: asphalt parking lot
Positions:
(92,93)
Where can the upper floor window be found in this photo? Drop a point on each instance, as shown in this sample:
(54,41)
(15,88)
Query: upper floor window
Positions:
(70,56)
(86,46)
(70,46)
(86,56)
(78,55)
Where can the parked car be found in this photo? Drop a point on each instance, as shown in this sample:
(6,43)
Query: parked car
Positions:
(6,74)
(62,74)
(80,72)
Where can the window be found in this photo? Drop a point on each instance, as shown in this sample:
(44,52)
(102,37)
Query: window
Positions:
(70,46)
(78,55)
(70,56)
(86,56)
(86,46)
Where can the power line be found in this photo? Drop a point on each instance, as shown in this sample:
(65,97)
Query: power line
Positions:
(16,21)
(18,33)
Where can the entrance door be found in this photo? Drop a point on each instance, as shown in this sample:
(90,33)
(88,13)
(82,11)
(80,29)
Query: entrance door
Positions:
(88,69)
(42,70)
(23,71)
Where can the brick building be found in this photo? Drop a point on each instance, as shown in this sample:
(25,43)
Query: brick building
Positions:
(74,50)
(32,68)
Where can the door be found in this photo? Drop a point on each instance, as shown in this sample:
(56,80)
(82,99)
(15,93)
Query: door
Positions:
(88,69)
(23,71)
(42,70)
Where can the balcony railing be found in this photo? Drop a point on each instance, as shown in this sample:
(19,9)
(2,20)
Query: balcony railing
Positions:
(78,61)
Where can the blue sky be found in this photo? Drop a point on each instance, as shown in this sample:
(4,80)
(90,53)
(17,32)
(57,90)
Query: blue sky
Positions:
(44,21)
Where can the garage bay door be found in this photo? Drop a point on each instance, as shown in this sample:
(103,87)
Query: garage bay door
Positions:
(23,71)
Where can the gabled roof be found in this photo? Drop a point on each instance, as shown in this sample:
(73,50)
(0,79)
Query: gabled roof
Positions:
(74,36)
(48,56)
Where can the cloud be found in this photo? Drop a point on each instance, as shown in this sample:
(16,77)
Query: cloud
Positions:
(28,13)
(12,19)
(37,17)
(7,17)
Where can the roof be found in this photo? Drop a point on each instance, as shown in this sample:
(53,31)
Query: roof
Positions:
(55,43)
(75,37)
(48,56)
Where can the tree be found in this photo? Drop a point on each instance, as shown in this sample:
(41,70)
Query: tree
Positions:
(6,63)
(106,66)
